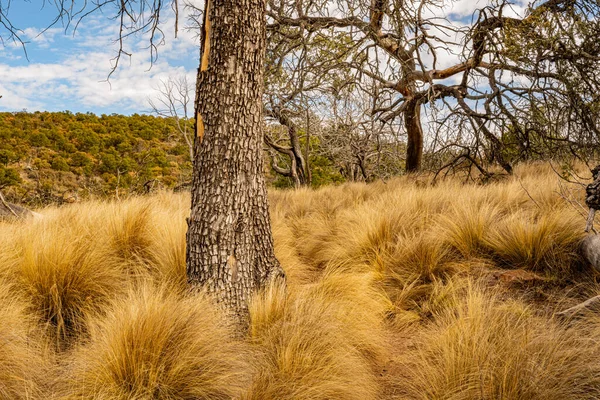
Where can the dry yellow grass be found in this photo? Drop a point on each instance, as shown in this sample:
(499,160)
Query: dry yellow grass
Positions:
(156,344)
(393,292)
(24,360)
(485,348)
(320,342)
(55,265)
(548,243)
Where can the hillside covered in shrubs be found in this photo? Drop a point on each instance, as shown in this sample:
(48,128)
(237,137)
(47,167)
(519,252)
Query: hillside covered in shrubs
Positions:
(56,157)
(60,156)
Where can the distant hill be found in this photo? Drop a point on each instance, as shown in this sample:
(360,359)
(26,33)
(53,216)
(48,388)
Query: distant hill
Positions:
(54,157)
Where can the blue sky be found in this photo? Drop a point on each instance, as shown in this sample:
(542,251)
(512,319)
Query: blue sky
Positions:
(66,71)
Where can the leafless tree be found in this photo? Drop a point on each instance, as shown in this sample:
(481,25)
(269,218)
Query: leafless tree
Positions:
(174,101)
(504,66)
(131,16)
(292,76)
(360,145)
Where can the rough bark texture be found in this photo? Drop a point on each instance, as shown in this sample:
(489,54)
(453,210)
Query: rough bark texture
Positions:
(230,247)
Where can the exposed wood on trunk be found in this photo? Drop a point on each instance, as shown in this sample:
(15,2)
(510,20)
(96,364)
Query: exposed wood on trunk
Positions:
(206,37)
(205,54)
(230,248)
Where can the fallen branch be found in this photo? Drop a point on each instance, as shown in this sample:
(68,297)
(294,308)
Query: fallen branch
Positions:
(7,206)
(586,305)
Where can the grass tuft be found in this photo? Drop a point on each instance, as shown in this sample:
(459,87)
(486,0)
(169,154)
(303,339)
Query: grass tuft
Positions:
(320,342)
(489,349)
(546,244)
(64,279)
(24,361)
(156,344)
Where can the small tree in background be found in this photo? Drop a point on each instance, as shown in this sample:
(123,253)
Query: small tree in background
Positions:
(174,101)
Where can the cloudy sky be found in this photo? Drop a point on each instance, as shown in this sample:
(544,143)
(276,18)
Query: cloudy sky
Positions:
(66,70)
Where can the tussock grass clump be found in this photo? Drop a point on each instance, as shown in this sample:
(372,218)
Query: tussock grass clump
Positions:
(357,303)
(485,348)
(157,344)
(466,228)
(319,342)
(166,253)
(24,361)
(546,244)
(317,243)
(127,234)
(296,271)
(419,299)
(63,277)
(423,255)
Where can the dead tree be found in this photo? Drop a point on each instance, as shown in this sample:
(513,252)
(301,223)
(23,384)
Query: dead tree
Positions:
(508,70)
(288,84)
(357,143)
(174,101)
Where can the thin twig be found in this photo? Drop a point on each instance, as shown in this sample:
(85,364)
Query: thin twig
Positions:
(528,194)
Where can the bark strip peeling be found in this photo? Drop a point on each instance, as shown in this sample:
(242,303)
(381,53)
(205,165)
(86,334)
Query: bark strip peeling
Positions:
(204,63)
(206,44)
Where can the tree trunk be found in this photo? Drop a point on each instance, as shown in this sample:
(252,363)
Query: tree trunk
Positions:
(302,168)
(299,170)
(229,243)
(414,146)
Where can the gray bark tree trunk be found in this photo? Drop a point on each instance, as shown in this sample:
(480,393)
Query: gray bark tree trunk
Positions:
(229,243)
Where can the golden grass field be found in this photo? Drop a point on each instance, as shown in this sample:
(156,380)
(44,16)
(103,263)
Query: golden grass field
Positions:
(397,290)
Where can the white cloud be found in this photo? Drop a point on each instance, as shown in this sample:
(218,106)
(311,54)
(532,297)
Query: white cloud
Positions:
(42,38)
(465,8)
(78,79)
